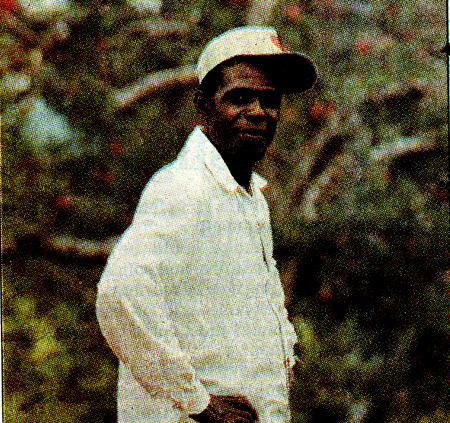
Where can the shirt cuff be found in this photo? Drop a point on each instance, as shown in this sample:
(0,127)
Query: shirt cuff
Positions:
(193,402)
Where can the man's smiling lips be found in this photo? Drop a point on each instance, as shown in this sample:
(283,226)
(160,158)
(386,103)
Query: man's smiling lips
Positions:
(254,133)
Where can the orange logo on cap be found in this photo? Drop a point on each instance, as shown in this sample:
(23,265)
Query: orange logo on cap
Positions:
(275,41)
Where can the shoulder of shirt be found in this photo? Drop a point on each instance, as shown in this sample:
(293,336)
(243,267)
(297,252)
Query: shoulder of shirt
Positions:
(184,179)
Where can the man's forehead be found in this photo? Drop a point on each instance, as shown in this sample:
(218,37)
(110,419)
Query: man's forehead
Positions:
(247,74)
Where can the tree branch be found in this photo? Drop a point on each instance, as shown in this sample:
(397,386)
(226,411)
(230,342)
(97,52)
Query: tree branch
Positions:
(153,29)
(81,247)
(164,79)
(399,147)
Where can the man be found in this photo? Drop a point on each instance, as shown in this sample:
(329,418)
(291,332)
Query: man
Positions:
(190,300)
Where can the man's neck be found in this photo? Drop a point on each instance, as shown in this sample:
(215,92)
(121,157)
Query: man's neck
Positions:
(240,169)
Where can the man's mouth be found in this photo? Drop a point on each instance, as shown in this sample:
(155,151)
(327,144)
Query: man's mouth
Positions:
(256,133)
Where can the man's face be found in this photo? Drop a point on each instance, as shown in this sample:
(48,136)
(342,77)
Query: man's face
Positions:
(244,112)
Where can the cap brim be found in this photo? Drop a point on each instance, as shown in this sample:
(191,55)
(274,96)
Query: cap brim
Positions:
(292,72)
(297,73)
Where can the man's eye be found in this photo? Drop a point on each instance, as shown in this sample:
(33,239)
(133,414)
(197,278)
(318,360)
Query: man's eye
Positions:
(240,98)
(266,100)
(270,101)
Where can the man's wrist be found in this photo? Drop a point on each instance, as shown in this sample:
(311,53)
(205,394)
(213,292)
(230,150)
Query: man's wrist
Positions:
(195,404)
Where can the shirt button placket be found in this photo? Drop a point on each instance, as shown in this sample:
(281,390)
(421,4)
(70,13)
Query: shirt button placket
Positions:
(249,207)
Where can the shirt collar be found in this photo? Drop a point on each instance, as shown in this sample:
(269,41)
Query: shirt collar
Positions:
(214,162)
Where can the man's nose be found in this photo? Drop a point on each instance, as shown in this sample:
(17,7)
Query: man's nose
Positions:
(255,109)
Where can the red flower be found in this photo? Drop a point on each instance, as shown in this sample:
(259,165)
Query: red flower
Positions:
(363,46)
(320,109)
(317,110)
(325,293)
(8,5)
(116,148)
(293,11)
(103,175)
(63,202)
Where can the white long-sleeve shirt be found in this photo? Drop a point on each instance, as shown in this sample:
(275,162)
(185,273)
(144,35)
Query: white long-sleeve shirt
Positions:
(190,300)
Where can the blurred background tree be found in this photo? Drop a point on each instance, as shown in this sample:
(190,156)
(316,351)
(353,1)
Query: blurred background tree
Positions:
(97,96)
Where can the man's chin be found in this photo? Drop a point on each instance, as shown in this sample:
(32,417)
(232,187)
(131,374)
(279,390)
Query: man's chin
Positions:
(256,154)
(255,145)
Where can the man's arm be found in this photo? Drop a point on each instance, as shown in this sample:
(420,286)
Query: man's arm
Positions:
(134,321)
(131,309)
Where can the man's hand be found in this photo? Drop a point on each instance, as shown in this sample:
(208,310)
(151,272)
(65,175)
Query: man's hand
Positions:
(227,409)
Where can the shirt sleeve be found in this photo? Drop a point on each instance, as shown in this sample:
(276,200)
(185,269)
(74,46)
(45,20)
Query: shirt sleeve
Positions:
(131,308)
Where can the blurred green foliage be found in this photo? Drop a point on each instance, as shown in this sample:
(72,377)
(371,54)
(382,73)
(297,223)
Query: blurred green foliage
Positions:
(359,200)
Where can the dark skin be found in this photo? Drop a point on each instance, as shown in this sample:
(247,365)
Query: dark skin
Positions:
(240,120)
(227,409)
(241,117)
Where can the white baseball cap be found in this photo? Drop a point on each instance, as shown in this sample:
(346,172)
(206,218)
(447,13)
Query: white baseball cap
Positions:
(295,71)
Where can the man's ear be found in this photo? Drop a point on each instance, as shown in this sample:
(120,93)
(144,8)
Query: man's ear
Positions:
(202,104)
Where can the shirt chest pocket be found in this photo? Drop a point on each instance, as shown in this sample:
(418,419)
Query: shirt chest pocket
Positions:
(224,228)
